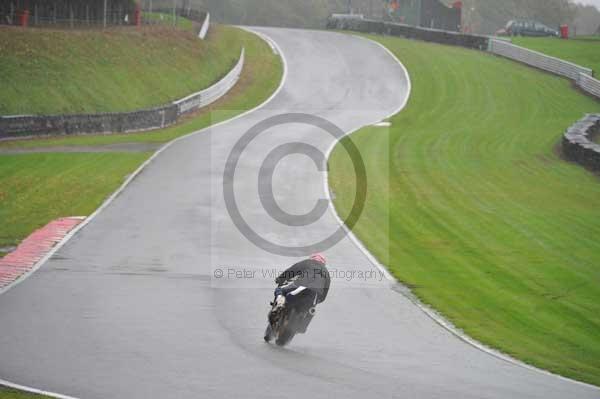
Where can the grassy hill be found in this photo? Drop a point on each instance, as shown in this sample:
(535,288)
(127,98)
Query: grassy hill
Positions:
(486,222)
(50,72)
(36,188)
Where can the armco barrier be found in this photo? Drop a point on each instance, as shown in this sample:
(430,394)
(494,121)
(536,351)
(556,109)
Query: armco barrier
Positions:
(589,84)
(411,32)
(538,60)
(120,122)
(577,142)
(213,93)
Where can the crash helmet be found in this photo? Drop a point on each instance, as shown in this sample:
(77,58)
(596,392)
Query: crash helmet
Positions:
(318,258)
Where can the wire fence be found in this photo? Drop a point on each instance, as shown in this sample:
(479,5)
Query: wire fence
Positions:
(94,14)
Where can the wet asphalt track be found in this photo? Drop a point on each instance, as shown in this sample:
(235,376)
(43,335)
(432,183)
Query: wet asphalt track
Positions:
(130,308)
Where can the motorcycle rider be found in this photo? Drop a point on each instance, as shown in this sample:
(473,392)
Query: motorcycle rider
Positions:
(304,284)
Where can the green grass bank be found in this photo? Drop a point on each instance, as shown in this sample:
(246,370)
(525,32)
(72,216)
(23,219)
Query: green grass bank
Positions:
(38,187)
(58,72)
(9,393)
(487,223)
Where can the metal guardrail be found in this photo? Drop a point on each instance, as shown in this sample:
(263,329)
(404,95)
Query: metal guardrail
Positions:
(537,59)
(347,16)
(589,84)
(213,93)
(582,76)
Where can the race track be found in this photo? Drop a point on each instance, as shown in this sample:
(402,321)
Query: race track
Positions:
(130,307)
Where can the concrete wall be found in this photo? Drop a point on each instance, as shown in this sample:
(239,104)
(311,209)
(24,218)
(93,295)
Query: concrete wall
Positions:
(577,142)
(145,119)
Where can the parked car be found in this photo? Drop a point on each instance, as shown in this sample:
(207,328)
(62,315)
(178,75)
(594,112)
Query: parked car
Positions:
(527,28)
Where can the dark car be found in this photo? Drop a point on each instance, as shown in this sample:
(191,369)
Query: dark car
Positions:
(528,28)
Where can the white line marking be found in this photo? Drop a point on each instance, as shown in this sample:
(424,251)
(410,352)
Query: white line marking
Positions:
(265,38)
(110,199)
(33,390)
(349,233)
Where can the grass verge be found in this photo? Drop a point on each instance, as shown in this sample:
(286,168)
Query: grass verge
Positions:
(486,222)
(36,188)
(168,19)
(585,52)
(10,393)
(55,72)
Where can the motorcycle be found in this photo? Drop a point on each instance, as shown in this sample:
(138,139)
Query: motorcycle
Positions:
(285,322)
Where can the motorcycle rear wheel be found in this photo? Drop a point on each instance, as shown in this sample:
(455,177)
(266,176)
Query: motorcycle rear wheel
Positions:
(285,337)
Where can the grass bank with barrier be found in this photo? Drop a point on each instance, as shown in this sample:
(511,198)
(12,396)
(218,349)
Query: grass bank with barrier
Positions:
(36,188)
(67,72)
(487,224)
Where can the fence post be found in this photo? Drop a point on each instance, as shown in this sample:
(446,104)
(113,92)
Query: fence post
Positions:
(104,24)
(35,11)
(138,15)
(54,14)
(174,5)
(71,15)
